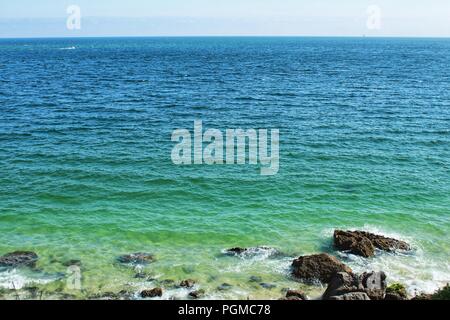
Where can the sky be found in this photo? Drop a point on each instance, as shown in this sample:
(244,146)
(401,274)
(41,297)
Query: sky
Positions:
(48,18)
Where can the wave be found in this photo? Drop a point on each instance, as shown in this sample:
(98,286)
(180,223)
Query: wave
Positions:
(16,279)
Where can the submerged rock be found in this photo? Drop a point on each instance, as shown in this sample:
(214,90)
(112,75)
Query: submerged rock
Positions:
(364,243)
(224,287)
(168,283)
(144,275)
(254,251)
(152,293)
(188,269)
(136,258)
(73,262)
(320,267)
(140,275)
(255,279)
(372,284)
(19,259)
(268,286)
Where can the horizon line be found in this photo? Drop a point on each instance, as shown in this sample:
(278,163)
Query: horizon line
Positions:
(232,36)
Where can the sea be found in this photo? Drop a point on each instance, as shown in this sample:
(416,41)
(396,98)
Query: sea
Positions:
(86,171)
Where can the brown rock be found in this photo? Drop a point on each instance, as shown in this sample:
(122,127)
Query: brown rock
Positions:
(363,243)
(188,283)
(354,243)
(387,244)
(300,295)
(197,294)
(320,267)
(152,293)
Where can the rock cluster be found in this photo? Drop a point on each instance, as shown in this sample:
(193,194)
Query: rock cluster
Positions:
(343,284)
(364,243)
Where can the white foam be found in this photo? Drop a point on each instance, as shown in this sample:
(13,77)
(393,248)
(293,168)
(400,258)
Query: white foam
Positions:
(16,279)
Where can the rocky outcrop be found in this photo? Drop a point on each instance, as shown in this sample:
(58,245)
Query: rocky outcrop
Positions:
(19,259)
(322,267)
(136,258)
(364,243)
(152,293)
(372,284)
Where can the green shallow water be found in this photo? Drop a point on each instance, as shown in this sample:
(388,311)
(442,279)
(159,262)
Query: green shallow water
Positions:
(85,168)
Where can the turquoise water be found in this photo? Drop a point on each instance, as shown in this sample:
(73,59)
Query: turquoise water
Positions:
(86,173)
